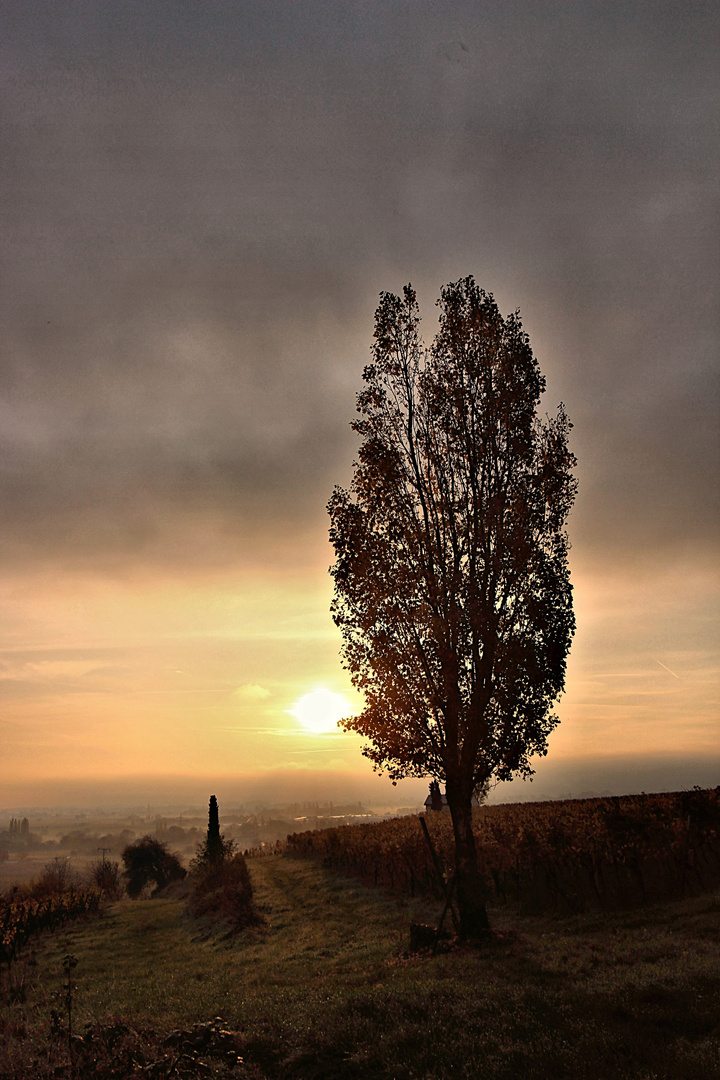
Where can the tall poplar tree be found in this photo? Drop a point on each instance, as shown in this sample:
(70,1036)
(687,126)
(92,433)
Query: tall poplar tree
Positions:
(452,588)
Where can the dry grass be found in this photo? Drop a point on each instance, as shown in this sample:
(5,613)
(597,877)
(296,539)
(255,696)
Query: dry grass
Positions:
(326,989)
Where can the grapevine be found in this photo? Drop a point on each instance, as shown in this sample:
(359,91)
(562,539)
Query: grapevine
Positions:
(563,855)
(22,919)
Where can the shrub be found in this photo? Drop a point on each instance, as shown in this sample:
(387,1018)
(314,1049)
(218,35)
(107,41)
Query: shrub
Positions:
(106,876)
(204,860)
(57,877)
(149,860)
(223,891)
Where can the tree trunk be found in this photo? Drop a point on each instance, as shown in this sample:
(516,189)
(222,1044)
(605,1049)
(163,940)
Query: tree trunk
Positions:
(469,885)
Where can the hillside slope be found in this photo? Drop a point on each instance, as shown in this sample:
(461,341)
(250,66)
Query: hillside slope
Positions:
(326,989)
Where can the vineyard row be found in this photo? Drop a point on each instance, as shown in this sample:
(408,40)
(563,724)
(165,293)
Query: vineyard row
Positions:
(22,919)
(564,855)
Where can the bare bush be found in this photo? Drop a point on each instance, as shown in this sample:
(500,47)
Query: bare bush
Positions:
(57,876)
(107,877)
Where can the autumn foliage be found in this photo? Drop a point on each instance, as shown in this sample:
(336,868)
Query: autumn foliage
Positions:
(563,855)
(452,588)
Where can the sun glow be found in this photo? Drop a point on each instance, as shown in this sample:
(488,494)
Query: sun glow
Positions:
(320,711)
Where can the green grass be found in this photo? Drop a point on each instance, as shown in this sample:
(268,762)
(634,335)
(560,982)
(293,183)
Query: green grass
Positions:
(326,988)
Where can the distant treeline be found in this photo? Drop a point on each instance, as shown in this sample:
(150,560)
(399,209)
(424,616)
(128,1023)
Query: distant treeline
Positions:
(18,837)
(565,855)
(249,830)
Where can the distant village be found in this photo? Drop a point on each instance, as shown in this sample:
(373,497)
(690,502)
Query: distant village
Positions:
(83,835)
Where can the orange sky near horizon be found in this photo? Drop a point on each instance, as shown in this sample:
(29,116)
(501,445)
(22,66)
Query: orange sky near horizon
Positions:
(118,678)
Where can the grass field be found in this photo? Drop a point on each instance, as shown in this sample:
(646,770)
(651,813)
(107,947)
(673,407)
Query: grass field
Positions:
(326,989)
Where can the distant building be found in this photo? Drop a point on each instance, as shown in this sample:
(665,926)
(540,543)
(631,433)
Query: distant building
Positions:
(435,799)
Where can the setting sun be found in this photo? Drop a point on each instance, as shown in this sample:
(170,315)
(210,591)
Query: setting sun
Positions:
(320,711)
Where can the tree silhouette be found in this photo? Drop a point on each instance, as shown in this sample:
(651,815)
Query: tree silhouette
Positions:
(452,589)
(214,849)
(148,860)
(214,844)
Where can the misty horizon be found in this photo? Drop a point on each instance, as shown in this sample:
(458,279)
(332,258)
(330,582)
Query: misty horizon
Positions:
(553,780)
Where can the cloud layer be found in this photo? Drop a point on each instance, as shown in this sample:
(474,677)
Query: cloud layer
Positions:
(202,205)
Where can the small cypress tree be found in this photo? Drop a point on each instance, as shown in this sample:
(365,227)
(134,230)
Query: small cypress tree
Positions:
(214,844)
(222,889)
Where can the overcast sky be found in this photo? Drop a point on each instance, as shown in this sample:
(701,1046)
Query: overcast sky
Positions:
(201,203)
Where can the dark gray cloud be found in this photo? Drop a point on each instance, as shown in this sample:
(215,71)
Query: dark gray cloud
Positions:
(202,202)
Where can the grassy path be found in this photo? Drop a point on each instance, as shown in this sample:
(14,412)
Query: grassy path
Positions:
(323,990)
